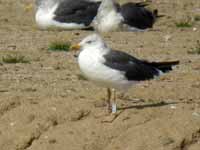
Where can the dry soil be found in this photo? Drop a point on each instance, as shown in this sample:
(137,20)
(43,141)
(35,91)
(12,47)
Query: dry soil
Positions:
(47,105)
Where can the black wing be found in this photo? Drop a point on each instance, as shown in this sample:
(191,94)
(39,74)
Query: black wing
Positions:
(136,15)
(134,68)
(76,11)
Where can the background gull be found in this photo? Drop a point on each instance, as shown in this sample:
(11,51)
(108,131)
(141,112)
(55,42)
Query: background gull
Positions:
(115,69)
(65,14)
(129,16)
(79,14)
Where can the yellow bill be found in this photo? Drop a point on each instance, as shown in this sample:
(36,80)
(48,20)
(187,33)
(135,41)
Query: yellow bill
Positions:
(75,47)
(28,7)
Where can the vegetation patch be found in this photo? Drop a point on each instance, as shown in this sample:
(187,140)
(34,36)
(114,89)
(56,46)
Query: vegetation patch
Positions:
(59,46)
(14,58)
(184,24)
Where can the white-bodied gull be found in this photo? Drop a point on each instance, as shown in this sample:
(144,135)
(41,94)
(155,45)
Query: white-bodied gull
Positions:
(115,69)
(65,14)
(127,17)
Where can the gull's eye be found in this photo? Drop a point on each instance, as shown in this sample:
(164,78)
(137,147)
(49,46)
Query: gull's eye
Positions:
(89,42)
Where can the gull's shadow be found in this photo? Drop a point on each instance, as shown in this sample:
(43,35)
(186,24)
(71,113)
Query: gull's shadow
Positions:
(160,104)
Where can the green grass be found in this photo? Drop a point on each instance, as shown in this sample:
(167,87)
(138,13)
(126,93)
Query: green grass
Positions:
(196,49)
(14,58)
(184,24)
(59,46)
(197,18)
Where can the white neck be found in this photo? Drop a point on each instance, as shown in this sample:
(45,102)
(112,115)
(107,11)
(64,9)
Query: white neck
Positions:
(46,4)
(98,48)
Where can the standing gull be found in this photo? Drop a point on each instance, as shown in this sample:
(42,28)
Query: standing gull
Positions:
(129,17)
(65,14)
(115,69)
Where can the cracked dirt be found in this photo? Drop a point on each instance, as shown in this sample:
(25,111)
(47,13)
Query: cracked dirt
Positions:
(46,105)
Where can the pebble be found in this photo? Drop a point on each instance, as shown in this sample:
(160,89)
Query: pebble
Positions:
(12,124)
(173,107)
(167,38)
(194,29)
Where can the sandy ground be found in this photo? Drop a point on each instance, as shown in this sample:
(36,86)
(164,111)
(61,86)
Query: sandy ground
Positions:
(46,105)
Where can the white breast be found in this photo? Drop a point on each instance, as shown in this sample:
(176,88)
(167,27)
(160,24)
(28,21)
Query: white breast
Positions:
(111,21)
(91,65)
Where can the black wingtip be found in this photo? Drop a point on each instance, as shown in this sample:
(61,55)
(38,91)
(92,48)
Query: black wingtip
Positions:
(164,66)
(155,13)
(142,4)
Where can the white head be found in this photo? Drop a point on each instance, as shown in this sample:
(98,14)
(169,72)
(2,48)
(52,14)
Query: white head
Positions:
(93,40)
(108,5)
(108,16)
(91,43)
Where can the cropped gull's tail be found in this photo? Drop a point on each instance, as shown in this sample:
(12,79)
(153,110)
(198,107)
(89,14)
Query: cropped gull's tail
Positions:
(163,66)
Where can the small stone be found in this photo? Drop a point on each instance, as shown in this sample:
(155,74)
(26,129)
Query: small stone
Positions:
(53,108)
(173,107)
(194,29)
(167,38)
(12,124)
